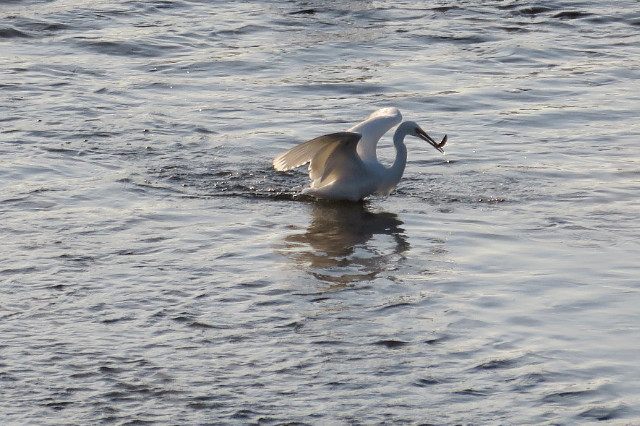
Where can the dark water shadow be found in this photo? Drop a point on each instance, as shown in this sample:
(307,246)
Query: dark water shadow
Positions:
(347,243)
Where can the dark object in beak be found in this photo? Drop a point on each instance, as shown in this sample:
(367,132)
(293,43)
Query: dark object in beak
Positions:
(433,143)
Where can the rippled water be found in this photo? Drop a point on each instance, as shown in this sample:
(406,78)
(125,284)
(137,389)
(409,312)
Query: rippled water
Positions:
(155,268)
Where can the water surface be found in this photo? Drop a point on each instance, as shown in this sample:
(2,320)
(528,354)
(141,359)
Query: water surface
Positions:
(155,267)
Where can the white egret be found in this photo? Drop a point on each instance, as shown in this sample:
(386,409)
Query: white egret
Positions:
(344,165)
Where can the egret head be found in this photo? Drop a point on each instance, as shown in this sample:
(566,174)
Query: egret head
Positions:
(413,129)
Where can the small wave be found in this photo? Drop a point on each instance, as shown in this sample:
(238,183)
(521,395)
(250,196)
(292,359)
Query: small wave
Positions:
(571,14)
(602,413)
(391,343)
(30,28)
(10,32)
(534,10)
(303,12)
(125,48)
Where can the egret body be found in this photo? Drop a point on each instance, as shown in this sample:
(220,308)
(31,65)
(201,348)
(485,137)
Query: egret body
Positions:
(344,165)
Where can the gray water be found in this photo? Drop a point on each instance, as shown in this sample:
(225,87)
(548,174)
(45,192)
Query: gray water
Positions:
(155,268)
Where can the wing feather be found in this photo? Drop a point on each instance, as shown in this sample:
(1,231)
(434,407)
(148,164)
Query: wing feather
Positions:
(316,151)
(319,160)
(342,158)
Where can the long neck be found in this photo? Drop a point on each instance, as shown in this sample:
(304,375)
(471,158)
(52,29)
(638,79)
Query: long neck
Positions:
(372,130)
(397,169)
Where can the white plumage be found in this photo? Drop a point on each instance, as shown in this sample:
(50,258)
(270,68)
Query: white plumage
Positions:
(344,165)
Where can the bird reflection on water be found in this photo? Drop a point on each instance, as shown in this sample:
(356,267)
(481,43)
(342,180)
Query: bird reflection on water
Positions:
(347,243)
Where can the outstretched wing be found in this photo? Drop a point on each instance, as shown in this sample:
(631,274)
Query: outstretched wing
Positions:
(320,153)
(342,161)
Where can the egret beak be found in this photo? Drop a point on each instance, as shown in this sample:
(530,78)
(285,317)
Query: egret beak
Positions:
(436,145)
